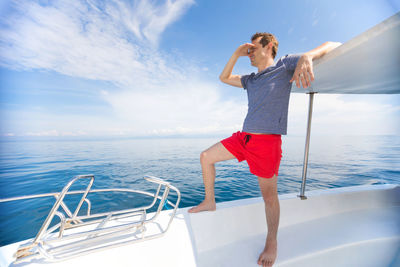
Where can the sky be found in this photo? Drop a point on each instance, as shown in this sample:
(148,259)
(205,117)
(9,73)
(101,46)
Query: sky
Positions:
(150,68)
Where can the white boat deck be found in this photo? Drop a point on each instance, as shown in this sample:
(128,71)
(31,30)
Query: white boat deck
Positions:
(355,226)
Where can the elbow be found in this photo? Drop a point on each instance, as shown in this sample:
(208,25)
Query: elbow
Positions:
(222,78)
(334,44)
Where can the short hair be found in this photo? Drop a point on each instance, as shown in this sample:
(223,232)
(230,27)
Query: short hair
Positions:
(266,39)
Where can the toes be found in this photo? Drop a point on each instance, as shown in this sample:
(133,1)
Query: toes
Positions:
(193,210)
(265,262)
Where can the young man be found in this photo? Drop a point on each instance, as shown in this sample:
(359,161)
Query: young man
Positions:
(259,143)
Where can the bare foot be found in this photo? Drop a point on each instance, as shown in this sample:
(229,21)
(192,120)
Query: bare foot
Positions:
(204,206)
(268,256)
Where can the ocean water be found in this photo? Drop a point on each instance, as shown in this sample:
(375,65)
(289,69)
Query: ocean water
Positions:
(41,166)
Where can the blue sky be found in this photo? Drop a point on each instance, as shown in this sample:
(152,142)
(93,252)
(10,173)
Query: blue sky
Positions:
(139,68)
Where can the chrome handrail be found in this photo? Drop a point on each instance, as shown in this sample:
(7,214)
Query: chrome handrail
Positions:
(307,147)
(76,235)
(59,201)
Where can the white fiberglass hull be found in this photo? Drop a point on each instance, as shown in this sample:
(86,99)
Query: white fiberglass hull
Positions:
(353,226)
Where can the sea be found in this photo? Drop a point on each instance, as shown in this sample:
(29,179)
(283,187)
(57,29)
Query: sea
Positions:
(39,165)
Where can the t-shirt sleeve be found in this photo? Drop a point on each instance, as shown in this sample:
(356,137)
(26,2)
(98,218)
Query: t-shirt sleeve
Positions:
(290,61)
(244,79)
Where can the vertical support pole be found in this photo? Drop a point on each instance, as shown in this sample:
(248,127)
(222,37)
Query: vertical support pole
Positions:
(307,146)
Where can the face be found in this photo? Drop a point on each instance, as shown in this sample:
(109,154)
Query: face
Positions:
(258,53)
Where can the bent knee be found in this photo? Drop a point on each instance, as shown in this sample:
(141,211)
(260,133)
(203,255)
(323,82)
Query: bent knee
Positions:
(205,158)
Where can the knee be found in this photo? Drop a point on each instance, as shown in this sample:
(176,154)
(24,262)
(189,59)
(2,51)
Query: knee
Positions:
(205,158)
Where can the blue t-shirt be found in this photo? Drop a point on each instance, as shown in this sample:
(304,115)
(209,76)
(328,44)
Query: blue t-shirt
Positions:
(268,94)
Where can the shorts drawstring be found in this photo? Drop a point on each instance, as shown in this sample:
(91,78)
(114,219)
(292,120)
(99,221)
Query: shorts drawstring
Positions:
(247,138)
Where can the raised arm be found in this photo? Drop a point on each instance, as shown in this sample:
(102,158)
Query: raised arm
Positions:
(304,69)
(226,75)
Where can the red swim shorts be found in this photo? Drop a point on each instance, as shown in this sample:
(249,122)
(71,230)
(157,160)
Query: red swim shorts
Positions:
(262,152)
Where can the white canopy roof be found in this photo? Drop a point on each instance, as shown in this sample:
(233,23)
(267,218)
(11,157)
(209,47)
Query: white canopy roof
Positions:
(367,64)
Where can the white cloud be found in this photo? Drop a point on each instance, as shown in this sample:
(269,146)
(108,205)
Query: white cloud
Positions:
(139,114)
(54,133)
(117,41)
(340,115)
(189,107)
(199,110)
(112,41)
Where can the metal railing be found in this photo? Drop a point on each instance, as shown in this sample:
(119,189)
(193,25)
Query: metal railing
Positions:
(307,147)
(77,235)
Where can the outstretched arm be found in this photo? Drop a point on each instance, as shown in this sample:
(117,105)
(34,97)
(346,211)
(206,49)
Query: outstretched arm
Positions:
(304,69)
(226,75)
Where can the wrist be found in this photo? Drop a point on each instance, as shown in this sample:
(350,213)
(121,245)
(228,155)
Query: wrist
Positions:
(309,55)
(236,54)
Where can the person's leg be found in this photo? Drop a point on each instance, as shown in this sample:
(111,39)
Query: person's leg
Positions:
(269,191)
(208,158)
